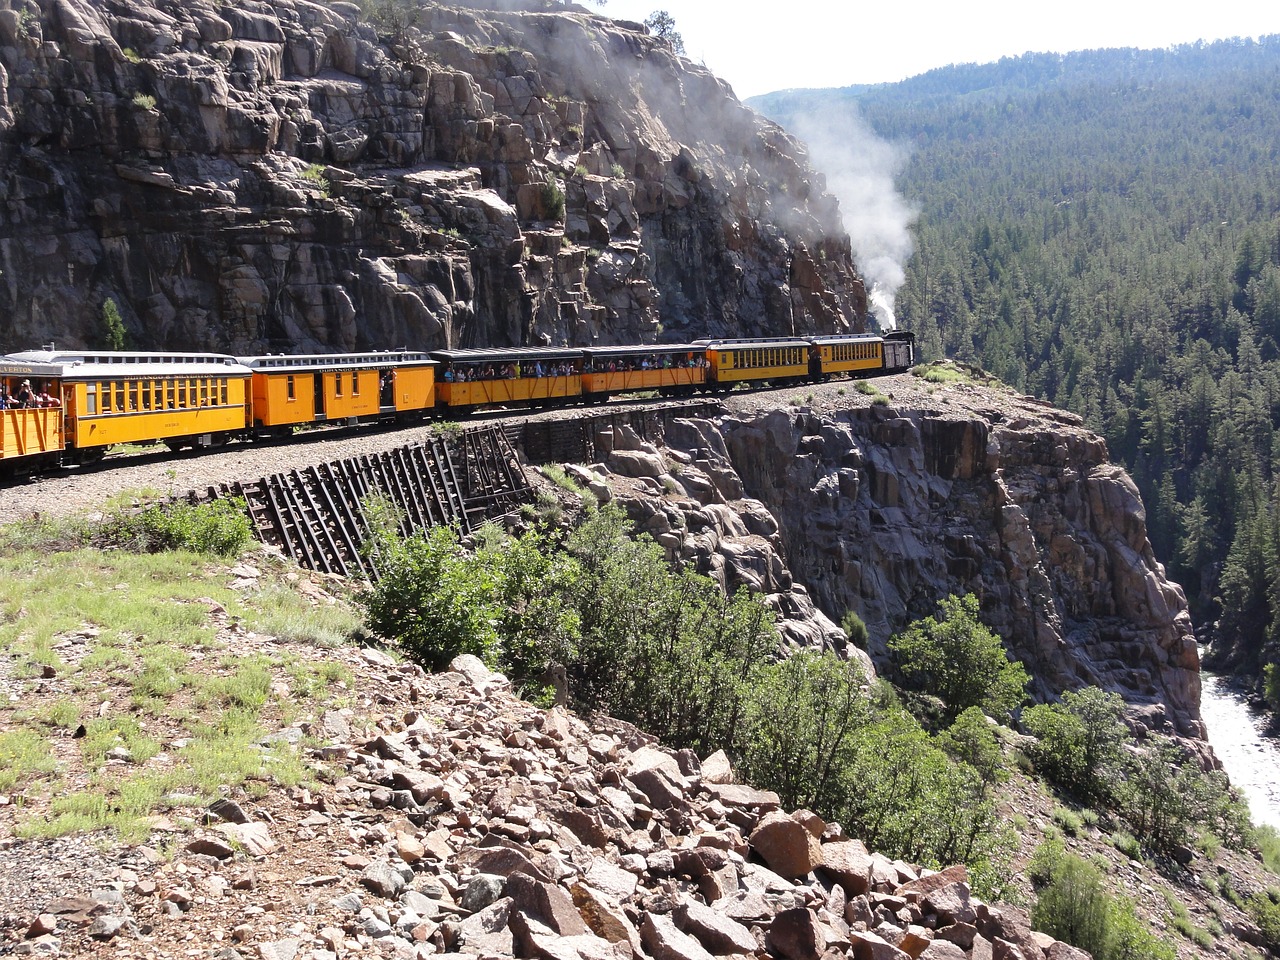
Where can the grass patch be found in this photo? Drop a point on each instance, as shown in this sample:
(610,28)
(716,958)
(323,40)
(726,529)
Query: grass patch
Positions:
(942,373)
(291,618)
(24,755)
(1127,844)
(122,616)
(1068,820)
(561,478)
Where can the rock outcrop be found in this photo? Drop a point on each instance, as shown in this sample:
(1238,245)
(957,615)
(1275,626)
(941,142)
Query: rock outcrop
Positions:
(840,504)
(285,176)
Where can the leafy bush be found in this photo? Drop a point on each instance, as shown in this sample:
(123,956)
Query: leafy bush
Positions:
(1075,907)
(144,101)
(1264,910)
(432,598)
(855,629)
(1079,741)
(218,528)
(553,198)
(960,660)
(663,649)
(802,718)
(1166,796)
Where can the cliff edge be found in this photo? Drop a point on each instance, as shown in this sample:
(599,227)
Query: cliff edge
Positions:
(830,500)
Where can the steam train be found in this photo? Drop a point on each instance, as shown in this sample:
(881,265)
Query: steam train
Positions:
(69,407)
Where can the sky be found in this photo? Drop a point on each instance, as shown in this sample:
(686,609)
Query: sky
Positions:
(760,47)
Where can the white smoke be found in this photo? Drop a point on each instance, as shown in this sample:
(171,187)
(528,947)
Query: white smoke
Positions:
(860,170)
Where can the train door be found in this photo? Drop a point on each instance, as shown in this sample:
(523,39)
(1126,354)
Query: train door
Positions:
(318,380)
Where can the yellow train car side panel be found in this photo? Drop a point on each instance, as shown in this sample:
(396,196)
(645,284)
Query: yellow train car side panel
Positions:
(30,432)
(282,399)
(620,381)
(851,357)
(739,363)
(414,388)
(137,411)
(471,393)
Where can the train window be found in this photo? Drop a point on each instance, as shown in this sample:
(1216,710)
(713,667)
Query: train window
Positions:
(223,385)
(168,394)
(191,393)
(290,389)
(119,393)
(133,395)
(355,383)
(337,384)
(182,393)
(91,399)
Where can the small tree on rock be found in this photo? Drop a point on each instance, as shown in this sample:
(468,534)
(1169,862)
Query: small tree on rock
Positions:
(956,658)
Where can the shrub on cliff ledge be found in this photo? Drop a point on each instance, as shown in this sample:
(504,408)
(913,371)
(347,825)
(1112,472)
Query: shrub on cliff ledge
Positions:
(956,658)
(1080,741)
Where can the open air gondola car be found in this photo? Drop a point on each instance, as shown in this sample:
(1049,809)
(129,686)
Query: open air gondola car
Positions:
(31,416)
(671,369)
(511,375)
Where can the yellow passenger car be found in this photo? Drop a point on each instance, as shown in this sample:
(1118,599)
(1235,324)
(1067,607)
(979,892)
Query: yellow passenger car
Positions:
(667,368)
(744,361)
(515,375)
(353,387)
(109,397)
(850,353)
(31,415)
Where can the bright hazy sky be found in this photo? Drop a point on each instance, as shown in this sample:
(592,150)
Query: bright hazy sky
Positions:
(759,47)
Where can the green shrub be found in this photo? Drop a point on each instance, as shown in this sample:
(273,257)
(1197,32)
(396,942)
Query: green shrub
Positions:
(1079,741)
(1127,844)
(1166,796)
(1075,907)
(218,528)
(1264,910)
(1266,840)
(801,716)
(432,598)
(972,740)
(616,171)
(553,197)
(960,660)
(113,332)
(1068,820)
(144,101)
(855,629)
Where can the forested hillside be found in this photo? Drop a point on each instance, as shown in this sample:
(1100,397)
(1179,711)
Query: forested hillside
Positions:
(1103,229)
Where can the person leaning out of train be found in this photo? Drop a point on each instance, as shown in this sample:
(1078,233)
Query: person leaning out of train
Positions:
(45,399)
(24,397)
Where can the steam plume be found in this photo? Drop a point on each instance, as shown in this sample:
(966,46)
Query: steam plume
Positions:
(860,168)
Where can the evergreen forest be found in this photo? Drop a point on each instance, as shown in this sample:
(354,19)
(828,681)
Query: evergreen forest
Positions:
(1102,229)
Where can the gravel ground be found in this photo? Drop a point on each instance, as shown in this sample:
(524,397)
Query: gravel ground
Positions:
(162,474)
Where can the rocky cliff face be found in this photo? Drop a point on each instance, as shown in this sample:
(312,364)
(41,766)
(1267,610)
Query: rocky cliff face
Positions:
(284,176)
(838,503)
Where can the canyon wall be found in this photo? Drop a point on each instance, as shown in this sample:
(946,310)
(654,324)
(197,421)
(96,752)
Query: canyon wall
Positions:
(835,503)
(285,176)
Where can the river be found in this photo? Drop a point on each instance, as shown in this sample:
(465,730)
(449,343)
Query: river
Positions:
(1250,758)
